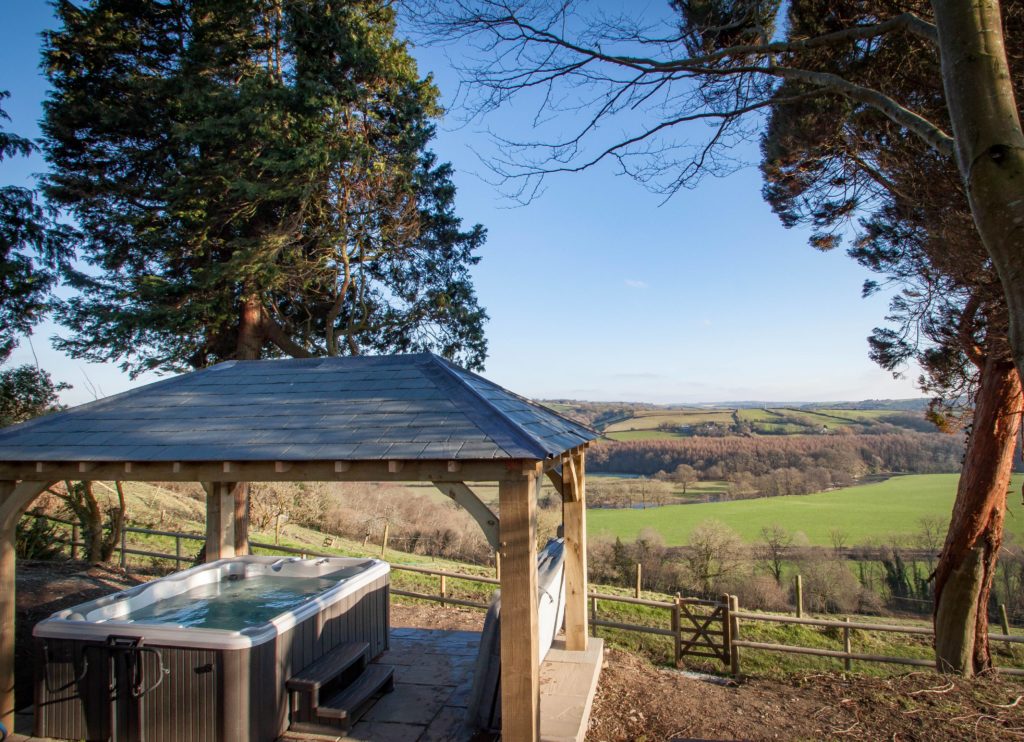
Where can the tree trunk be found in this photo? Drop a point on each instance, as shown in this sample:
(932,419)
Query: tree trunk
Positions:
(250,329)
(249,348)
(963,577)
(988,139)
(117,518)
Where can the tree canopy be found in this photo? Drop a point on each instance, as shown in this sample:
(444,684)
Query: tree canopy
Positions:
(825,164)
(252,179)
(32,250)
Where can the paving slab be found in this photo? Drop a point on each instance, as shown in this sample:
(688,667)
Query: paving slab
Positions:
(409,704)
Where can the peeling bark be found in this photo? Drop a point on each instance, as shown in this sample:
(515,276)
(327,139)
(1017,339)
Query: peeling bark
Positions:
(963,577)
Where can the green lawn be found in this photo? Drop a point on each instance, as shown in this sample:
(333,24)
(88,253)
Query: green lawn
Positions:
(871,512)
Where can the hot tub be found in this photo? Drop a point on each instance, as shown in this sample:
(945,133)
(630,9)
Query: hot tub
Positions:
(203,654)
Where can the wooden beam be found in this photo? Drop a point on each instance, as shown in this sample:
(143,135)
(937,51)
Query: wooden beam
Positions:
(556,478)
(574,529)
(394,467)
(280,467)
(454,466)
(84,467)
(488,470)
(476,507)
(14,499)
(520,664)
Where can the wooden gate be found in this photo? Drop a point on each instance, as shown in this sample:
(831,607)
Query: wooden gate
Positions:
(701,628)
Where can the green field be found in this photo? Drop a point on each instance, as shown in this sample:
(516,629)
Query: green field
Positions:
(643,435)
(646,424)
(868,513)
(651,419)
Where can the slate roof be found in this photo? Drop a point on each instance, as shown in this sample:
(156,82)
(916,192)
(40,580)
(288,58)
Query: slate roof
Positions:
(408,407)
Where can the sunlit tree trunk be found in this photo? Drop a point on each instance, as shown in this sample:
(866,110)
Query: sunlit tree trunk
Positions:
(966,568)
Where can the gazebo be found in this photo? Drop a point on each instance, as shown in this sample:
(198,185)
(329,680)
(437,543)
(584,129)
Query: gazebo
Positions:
(372,418)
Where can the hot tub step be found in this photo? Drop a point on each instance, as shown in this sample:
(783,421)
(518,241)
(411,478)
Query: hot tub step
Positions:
(374,680)
(327,668)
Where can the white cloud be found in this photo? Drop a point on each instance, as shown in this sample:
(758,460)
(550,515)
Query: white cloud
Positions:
(635,284)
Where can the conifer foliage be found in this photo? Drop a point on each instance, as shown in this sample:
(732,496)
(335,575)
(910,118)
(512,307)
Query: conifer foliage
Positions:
(252,178)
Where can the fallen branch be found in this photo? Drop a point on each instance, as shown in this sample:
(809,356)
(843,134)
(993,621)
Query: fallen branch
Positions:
(937,689)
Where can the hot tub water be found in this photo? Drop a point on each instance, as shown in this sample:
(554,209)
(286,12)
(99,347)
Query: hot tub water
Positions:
(232,604)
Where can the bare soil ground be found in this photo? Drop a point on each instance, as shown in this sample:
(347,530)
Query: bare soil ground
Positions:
(640,702)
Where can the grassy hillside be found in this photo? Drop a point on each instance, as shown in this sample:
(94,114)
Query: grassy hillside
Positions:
(662,423)
(871,512)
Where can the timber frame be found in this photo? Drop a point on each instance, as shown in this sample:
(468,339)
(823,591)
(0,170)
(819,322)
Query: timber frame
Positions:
(514,535)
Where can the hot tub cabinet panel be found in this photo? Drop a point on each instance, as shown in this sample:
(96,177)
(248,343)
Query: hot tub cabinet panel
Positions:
(84,690)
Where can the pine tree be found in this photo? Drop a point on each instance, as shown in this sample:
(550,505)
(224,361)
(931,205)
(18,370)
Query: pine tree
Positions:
(826,162)
(32,250)
(252,178)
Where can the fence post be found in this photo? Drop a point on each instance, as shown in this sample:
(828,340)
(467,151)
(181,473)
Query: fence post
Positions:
(639,577)
(497,565)
(177,553)
(124,546)
(593,616)
(734,635)
(444,589)
(799,596)
(847,646)
(677,627)
(1006,626)
(384,541)
(727,647)
(74,541)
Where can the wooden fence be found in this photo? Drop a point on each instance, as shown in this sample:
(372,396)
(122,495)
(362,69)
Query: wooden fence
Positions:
(705,629)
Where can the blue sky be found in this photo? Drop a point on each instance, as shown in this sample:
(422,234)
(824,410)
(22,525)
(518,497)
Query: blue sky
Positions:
(597,290)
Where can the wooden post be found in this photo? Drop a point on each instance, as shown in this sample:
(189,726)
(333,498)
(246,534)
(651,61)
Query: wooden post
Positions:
(384,541)
(593,616)
(277,531)
(14,499)
(847,646)
(124,545)
(639,577)
(726,626)
(177,553)
(677,637)
(444,589)
(74,541)
(799,596)
(520,645)
(1005,621)
(734,631)
(574,527)
(497,565)
(240,495)
(220,520)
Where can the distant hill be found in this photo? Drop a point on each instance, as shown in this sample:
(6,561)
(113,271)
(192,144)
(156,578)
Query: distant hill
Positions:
(643,421)
(908,405)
